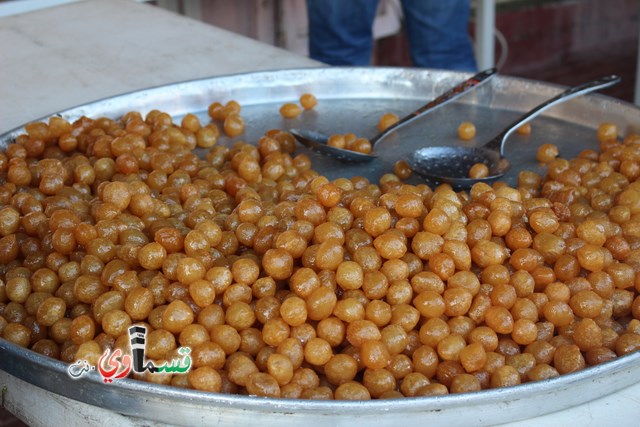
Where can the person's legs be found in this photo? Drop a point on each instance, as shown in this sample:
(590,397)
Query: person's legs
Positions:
(438,34)
(340,31)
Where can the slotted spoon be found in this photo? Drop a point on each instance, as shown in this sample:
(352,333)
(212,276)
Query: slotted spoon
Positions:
(317,141)
(451,164)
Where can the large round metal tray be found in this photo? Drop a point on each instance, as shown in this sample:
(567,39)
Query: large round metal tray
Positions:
(352,99)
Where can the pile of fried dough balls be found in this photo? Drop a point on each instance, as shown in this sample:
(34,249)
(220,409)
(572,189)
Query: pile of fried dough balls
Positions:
(285,284)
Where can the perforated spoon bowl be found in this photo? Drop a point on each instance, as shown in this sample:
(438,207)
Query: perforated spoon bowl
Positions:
(451,164)
(317,141)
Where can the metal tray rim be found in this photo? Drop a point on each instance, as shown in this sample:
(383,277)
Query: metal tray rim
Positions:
(13,354)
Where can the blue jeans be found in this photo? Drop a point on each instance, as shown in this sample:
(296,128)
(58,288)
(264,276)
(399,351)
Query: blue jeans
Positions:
(340,32)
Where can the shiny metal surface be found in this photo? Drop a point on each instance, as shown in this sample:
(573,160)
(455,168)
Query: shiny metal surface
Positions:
(317,141)
(352,99)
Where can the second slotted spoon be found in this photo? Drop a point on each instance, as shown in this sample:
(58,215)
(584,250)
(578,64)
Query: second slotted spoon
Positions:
(451,164)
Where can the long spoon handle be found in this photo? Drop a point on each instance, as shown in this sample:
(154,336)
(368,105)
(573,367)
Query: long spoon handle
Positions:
(572,92)
(446,97)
